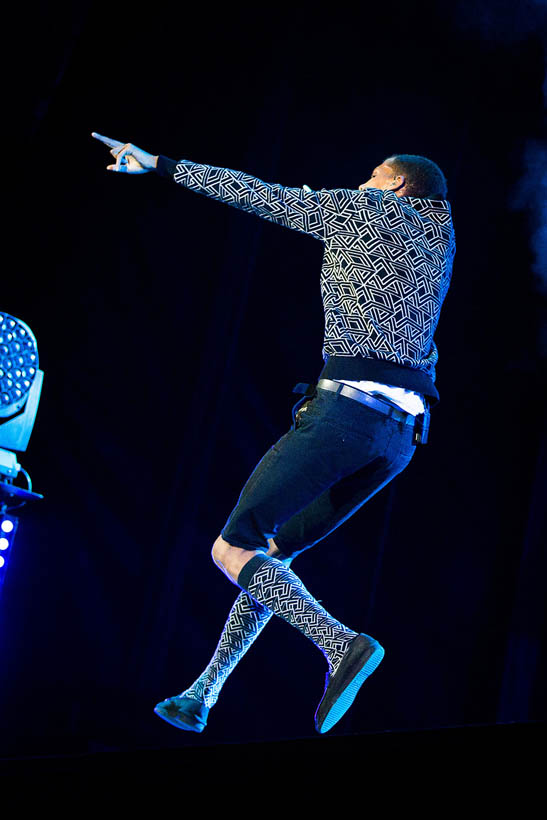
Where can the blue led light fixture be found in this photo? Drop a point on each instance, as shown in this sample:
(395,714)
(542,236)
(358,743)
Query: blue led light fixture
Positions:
(20,389)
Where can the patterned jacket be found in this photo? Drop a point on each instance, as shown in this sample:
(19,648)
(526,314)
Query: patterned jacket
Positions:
(387,266)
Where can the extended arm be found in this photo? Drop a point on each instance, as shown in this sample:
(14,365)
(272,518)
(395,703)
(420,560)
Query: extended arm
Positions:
(295,208)
(320,214)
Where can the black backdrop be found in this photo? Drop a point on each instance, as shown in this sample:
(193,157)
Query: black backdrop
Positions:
(172,329)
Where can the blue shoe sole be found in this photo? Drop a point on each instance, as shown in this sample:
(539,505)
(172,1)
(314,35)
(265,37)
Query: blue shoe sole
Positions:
(349,693)
(181,718)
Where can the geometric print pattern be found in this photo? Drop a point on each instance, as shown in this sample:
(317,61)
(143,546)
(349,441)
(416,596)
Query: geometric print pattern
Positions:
(277,587)
(387,261)
(245,622)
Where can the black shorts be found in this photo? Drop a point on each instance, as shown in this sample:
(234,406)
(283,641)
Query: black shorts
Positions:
(336,455)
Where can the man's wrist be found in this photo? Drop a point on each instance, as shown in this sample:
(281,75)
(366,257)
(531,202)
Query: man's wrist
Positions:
(165,167)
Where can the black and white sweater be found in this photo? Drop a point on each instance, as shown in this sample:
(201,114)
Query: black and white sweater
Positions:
(387,266)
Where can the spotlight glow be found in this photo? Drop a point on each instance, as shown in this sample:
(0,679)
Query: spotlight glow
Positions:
(2,562)
(4,543)
(6,526)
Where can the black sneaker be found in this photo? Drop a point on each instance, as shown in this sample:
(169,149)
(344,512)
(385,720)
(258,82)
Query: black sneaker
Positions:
(184,713)
(361,659)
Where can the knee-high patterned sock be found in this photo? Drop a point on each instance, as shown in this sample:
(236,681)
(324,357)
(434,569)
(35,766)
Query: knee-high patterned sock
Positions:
(274,585)
(245,622)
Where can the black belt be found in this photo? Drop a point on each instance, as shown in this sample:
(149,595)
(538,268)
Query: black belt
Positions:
(419,422)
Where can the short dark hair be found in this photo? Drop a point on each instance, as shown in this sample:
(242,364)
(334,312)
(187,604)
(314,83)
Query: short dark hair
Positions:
(423,177)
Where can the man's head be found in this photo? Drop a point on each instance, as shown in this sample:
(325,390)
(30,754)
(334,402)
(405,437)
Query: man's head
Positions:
(408,175)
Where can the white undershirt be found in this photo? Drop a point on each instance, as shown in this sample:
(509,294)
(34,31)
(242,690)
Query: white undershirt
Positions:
(408,400)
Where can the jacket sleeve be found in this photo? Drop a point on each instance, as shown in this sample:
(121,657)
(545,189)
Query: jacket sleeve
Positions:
(295,208)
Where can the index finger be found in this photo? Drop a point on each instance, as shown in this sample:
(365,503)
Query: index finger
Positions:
(107,141)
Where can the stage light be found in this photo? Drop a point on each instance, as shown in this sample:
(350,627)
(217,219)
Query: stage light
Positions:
(20,389)
(7,539)
(20,382)
(8,526)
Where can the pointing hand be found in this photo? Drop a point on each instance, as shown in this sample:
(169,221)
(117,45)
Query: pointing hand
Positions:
(129,158)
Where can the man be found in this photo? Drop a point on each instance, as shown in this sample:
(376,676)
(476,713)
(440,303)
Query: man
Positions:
(387,265)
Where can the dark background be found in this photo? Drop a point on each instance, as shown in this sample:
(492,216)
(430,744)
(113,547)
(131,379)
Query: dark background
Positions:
(172,328)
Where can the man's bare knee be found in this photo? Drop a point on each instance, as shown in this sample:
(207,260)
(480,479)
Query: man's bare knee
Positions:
(219,552)
(231,559)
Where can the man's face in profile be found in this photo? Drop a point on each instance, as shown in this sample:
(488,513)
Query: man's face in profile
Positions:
(383,177)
